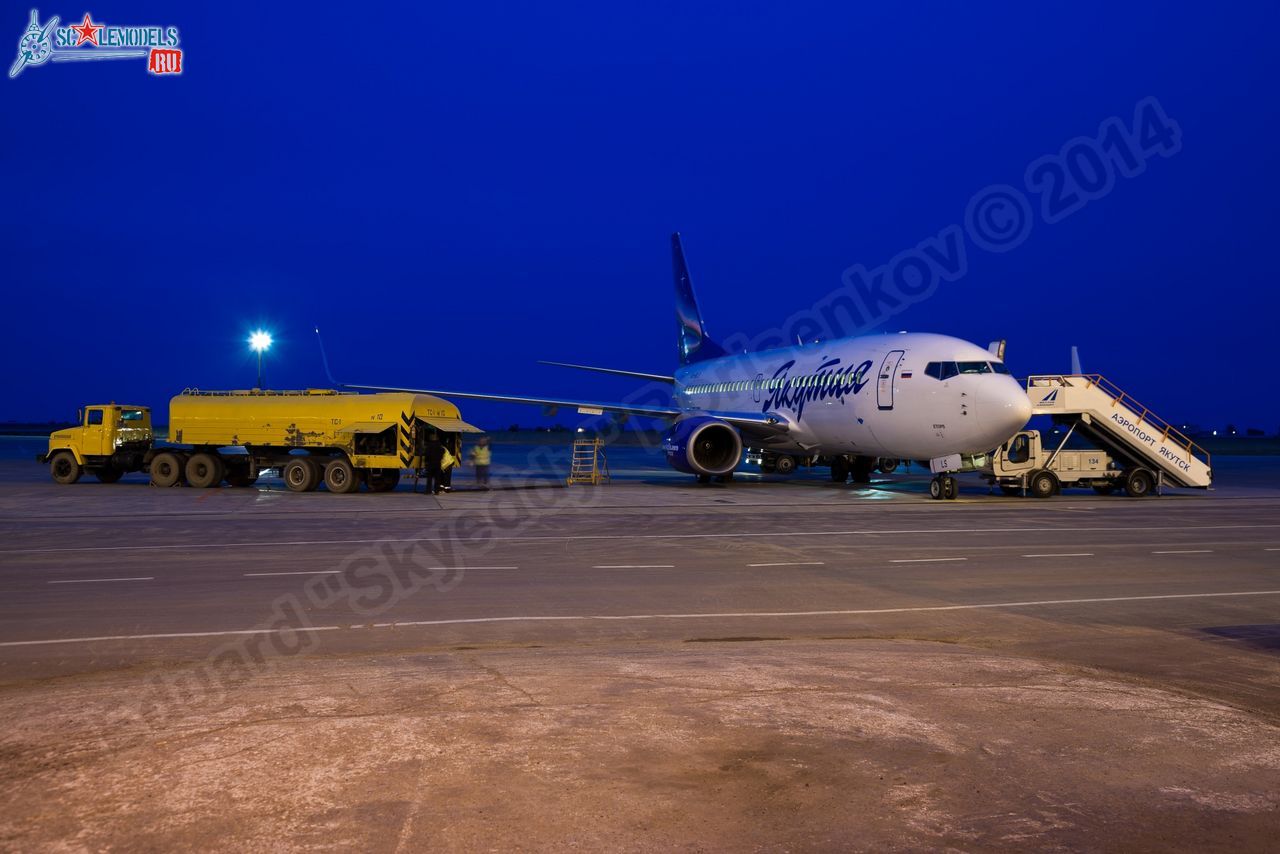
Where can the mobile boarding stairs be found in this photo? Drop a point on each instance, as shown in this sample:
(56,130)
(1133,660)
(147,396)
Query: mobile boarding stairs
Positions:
(1120,425)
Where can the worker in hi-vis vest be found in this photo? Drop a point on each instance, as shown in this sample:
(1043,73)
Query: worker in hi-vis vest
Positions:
(482,457)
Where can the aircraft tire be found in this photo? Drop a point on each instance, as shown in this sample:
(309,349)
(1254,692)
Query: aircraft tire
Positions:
(786,464)
(839,469)
(935,488)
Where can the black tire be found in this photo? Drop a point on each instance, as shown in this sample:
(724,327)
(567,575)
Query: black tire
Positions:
(935,488)
(1010,490)
(704,478)
(950,489)
(384,480)
(888,465)
(340,477)
(1104,488)
(785,464)
(839,469)
(301,474)
(1042,484)
(63,468)
(205,470)
(108,474)
(1139,483)
(725,478)
(861,469)
(166,469)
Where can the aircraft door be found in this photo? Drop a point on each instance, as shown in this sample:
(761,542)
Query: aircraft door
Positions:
(756,386)
(888,373)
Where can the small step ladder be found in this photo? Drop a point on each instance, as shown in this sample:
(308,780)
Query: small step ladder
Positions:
(589,464)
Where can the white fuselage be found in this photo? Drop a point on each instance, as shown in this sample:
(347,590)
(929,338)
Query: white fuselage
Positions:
(875,395)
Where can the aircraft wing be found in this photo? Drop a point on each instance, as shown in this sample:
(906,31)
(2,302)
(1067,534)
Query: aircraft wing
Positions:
(585,407)
(756,423)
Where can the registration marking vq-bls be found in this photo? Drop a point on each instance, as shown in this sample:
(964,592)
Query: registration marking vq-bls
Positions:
(850,400)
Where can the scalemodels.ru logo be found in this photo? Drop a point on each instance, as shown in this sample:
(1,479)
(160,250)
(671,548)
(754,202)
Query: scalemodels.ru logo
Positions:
(88,41)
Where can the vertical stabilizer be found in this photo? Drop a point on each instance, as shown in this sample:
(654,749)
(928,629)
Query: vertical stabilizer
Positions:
(693,342)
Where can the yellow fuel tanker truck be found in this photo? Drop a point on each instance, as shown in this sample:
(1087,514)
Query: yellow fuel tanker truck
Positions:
(340,439)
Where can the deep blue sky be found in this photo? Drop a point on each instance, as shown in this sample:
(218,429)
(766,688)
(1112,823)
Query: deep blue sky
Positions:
(452,191)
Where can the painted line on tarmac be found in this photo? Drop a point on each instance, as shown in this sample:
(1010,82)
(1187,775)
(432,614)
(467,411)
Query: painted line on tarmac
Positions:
(925,559)
(636,566)
(301,572)
(581,618)
(791,563)
(96,580)
(582,537)
(1065,554)
(1184,552)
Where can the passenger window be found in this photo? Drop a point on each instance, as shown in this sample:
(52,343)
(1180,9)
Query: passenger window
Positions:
(95,417)
(1019,449)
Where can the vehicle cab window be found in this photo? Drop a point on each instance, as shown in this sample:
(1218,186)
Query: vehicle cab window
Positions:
(1019,449)
(95,417)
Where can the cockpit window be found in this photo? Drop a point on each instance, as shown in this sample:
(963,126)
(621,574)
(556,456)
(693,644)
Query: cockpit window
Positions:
(941,370)
(999,368)
(974,367)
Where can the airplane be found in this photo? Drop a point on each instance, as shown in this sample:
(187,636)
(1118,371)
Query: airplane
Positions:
(911,396)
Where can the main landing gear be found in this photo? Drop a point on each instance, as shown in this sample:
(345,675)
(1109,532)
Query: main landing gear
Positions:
(943,486)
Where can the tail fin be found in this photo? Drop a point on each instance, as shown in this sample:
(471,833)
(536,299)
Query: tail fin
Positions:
(694,344)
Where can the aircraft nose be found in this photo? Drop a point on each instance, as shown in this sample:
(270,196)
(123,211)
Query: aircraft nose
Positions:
(1003,408)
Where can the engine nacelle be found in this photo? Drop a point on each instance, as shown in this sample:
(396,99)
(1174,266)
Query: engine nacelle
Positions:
(702,445)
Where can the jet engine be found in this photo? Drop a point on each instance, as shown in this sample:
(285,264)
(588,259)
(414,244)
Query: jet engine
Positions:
(702,445)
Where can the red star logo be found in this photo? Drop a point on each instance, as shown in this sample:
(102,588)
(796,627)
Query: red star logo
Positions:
(87,32)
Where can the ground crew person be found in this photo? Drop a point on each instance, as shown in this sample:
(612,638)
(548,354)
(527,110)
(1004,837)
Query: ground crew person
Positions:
(432,456)
(481,457)
(447,462)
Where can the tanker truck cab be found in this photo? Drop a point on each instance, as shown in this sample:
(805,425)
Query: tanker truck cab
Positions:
(111,439)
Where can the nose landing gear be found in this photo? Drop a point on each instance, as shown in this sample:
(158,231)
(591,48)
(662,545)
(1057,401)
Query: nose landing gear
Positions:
(943,486)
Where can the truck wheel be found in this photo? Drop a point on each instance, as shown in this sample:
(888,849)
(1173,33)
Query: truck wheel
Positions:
(1042,484)
(1139,483)
(839,469)
(301,474)
(166,469)
(64,468)
(383,481)
(786,464)
(205,470)
(108,474)
(1010,490)
(1104,488)
(341,477)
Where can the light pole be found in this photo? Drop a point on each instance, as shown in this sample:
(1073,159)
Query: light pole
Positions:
(260,342)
